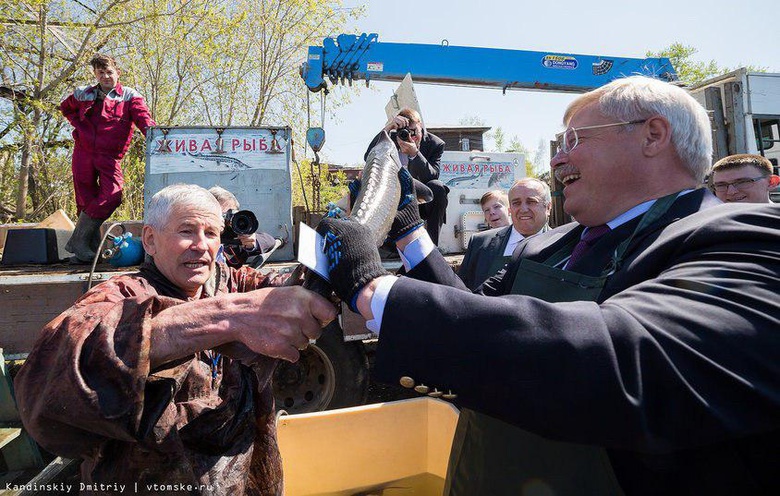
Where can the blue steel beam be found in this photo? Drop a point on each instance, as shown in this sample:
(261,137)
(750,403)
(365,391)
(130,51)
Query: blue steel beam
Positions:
(363,57)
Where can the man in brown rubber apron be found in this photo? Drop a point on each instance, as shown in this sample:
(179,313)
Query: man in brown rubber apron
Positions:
(634,351)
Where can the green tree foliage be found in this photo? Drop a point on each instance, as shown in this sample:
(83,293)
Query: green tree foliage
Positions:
(514,146)
(197,62)
(333,185)
(43,54)
(472,120)
(691,71)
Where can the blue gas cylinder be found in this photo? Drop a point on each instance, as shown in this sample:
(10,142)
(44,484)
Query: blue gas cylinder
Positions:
(127,251)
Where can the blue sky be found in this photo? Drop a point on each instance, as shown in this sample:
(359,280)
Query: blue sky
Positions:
(731,33)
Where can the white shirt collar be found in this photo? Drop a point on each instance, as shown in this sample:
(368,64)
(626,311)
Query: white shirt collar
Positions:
(636,211)
(514,238)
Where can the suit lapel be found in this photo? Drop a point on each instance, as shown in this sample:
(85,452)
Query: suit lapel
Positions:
(684,206)
(492,249)
(602,251)
(498,240)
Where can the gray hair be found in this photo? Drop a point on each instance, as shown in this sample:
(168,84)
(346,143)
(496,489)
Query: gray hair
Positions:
(641,97)
(224,197)
(177,195)
(532,181)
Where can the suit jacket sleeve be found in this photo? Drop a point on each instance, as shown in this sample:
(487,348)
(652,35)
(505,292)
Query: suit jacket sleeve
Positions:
(468,266)
(425,166)
(684,357)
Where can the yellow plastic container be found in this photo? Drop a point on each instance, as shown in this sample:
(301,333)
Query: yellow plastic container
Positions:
(395,448)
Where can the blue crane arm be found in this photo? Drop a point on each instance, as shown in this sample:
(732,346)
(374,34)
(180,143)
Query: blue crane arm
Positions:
(351,57)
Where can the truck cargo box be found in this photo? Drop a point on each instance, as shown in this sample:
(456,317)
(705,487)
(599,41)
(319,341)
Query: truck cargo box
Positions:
(253,163)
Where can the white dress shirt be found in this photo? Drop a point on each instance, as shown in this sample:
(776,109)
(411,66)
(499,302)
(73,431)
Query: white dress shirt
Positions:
(514,238)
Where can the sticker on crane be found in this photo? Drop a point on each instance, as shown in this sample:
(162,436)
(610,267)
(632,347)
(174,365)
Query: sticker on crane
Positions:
(375,67)
(560,62)
(602,67)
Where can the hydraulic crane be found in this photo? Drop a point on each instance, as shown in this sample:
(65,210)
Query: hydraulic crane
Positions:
(351,57)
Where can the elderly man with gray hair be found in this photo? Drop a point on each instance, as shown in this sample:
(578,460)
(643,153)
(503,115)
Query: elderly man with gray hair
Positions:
(632,352)
(163,376)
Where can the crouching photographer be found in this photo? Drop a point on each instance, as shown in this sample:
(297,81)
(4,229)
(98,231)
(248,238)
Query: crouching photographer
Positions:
(420,152)
(240,239)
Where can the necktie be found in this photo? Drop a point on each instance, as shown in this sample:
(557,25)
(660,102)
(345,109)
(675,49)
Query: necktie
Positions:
(588,240)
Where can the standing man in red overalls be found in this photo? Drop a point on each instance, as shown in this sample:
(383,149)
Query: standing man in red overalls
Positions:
(103,116)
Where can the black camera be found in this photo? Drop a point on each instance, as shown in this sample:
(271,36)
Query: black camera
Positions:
(238,223)
(402,134)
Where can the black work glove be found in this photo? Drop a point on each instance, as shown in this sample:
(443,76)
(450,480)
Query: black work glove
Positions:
(353,260)
(407,218)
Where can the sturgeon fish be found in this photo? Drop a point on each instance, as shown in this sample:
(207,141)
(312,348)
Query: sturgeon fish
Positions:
(376,203)
(380,191)
(229,162)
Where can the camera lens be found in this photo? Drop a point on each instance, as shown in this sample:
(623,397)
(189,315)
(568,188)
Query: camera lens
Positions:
(403,133)
(242,224)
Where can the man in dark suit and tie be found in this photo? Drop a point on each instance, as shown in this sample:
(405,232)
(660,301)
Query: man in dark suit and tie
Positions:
(646,364)
(530,202)
(420,152)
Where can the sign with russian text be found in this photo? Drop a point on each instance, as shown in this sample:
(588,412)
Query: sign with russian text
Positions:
(217,150)
(478,174)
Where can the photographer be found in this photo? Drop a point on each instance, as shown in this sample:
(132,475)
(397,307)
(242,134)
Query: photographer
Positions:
(420,152)
(236,253)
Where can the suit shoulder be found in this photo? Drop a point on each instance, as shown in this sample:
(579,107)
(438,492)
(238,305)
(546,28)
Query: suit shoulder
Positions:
(732,218)
(435,140)
(490,233)
(543,240)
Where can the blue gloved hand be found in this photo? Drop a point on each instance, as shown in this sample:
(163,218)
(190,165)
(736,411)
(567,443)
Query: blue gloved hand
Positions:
(407,218)
(353,259)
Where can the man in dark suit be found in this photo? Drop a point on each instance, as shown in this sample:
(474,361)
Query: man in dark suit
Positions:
(420,152)
(668,359)
(530,203)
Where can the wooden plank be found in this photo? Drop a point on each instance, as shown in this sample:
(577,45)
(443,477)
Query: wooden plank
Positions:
(29,307)
(22,453)
(58,220)
(8,434)
(59,470)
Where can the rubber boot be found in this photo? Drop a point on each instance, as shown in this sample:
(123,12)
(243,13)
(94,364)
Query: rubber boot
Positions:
(79,242)
(97,238)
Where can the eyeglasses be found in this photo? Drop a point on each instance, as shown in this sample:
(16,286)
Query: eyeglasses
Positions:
(569,139)
(739,184)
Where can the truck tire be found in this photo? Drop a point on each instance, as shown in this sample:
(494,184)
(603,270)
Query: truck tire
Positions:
(330,374)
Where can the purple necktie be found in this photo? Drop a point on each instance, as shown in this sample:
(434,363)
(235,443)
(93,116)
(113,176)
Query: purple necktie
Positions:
(588,240)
